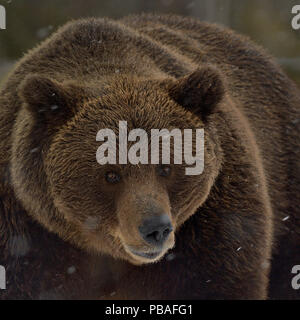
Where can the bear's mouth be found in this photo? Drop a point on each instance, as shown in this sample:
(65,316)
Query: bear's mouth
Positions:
(147,255)
(143,254)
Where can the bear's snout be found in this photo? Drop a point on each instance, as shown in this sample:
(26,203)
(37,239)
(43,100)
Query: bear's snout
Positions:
(146,228)
(155,230)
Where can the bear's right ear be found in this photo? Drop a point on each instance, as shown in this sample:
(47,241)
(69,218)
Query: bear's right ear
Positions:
(199,92)
(45,98)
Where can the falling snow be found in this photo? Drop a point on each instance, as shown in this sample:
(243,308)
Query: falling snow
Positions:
(19,246)
(170,256)
(71,270)
(265,264)
(34,150)
(91,223)
(44,32)
(54,107)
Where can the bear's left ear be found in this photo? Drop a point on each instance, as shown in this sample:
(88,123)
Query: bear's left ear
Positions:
(47,99)
(199,92)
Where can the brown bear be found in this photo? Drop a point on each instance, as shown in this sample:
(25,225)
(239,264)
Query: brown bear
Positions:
(74,229)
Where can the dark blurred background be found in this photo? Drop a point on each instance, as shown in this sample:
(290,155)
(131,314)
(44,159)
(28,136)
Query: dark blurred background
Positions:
(267,22)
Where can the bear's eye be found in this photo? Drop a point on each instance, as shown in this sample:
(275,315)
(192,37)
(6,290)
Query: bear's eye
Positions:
(112,177)
(164,171)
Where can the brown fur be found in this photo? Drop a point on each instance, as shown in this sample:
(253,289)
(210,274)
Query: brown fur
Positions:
(57,210)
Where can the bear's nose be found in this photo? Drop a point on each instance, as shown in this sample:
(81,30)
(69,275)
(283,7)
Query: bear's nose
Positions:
(155,230)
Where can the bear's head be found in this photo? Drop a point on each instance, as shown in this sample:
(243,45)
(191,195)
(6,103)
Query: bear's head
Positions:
(129,210)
